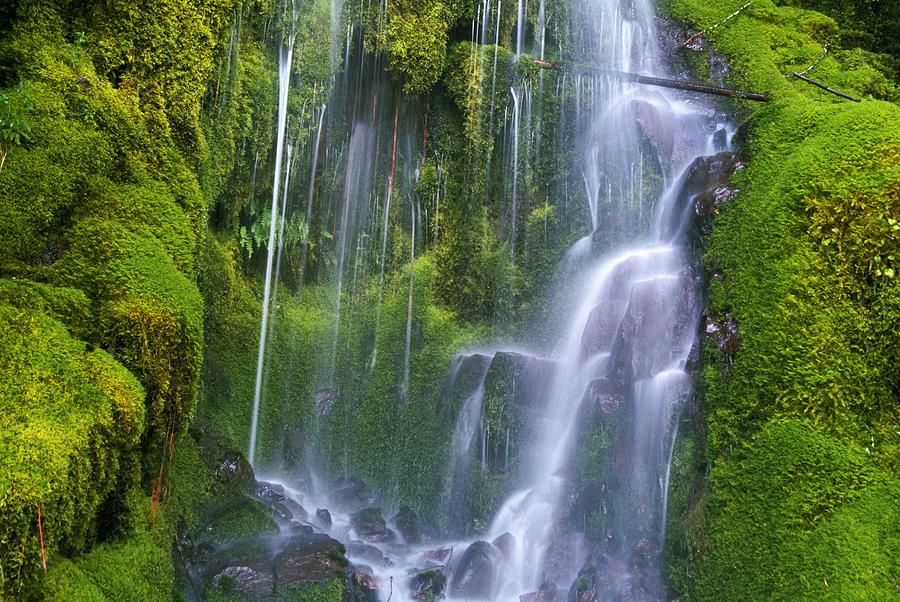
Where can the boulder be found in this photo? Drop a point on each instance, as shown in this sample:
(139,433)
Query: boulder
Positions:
(236,517)
(427,585)
(363,586)
(546,593)
(370,525)
(476,574)
(246,568)
(324,517)
(434,558)
(505,544)
(603,323)
(605,395)
(367,552)
(310,557)
(407,524)
(352,494)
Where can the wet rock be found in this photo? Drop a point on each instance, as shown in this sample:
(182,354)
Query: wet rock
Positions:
(368,553)
(325,399)
(236,517)
(427,585)
(324,517)
(363,586)
(655,127)
(245,580)
(370,525)
(505,544)
(664,306)
(272,494)
(434,558)
(407,524)
(475,574)
(600,330)
(546,593)
(310,557)
(352,494)
(294,445)
(231,471)
(565,551)
(246,568)
(704,186)
(463,377)
(605,394)
(524,379)
(723,332)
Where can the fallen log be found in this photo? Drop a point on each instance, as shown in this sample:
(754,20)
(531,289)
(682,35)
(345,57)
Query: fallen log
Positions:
(819,84)
(657,81)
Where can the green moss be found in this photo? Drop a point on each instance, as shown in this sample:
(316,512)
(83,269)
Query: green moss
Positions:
(779,512)
(237,518)
(804,262)
(72,420)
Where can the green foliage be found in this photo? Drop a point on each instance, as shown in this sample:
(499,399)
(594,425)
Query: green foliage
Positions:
(14,125)
(415,41)
(298,338)
(804,256)
(71,423)
(804,517)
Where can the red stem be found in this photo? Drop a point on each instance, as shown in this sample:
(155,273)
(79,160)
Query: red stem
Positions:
(41,534)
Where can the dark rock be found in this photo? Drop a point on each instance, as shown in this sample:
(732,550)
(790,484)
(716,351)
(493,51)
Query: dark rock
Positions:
(246,568)
(524,379)
(370,525)
(367,552)
(605,394)
(723,332)
(324,517)
(655,127)
(427,585)
(407,524)
(310,557)
(363,586)
(352,494)
(600,330)
(546,593)
(325,399)
(434,558)
(232,473)
(464,376)
(565,551)
(475,574)
(245,580)
(273,496)
(505,544)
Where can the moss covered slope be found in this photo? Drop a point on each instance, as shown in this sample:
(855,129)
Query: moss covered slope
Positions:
(801,444)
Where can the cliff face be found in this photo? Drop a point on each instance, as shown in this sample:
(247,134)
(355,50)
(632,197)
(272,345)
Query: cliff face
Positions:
(137,164)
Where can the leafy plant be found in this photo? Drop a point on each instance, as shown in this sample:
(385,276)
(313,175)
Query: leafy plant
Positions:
(14,126)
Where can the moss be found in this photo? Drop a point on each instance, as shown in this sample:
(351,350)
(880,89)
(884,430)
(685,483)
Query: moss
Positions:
(796,258)
(72,421)
(795,514)
(237,518)
(149,313)
(298,342)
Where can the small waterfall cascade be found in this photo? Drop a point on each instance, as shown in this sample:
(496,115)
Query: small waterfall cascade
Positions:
(627,308)
(285,61)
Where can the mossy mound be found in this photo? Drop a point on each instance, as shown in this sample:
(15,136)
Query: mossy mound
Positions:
(799,437)
(72,421)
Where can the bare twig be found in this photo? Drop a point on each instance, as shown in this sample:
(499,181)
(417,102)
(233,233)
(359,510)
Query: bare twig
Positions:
(392,589)
(658,81)
(819,84)
(723,21)
(41,535)
(816,62)
(185,568)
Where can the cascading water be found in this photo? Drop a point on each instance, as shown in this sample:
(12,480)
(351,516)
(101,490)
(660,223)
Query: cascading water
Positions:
(285,61)
(627,331)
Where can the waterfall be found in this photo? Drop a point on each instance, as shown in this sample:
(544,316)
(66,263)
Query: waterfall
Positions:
(285,61)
